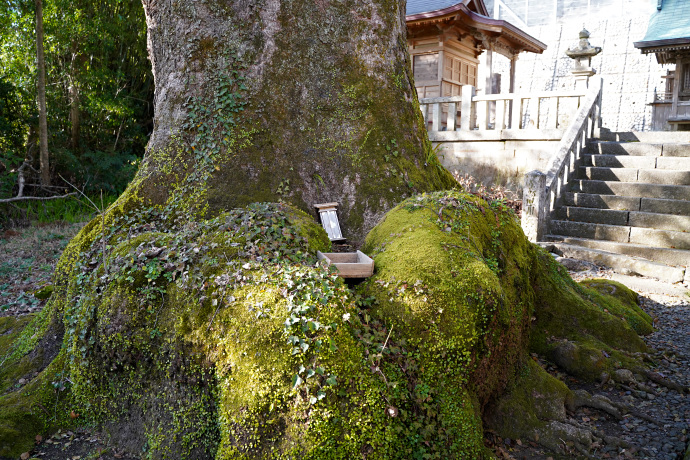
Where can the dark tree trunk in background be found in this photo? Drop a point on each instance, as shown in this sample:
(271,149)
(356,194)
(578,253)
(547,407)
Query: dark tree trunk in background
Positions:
(301,101)
(42,111)
(74,115)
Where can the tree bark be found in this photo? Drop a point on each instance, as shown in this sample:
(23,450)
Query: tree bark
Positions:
(41,87)
(300,101)
(74,115)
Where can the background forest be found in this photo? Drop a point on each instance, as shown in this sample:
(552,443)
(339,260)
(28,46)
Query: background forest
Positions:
(99,93)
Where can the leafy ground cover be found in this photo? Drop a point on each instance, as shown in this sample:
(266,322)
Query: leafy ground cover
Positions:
(27,261)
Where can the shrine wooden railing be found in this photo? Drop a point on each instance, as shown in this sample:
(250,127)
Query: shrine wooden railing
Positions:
(543,192)
(495,112)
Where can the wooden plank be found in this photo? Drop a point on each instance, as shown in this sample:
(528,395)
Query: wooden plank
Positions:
(540,94)
(482,115)
(516,112)
(466,108)
(534,111)
(452,112)
(426,67)
(553,112)
(500,122)
(434,100)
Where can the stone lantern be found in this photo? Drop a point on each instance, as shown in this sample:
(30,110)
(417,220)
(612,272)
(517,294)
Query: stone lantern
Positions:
(583,54)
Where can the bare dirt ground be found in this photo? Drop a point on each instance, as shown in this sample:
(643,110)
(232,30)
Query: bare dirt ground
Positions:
(28,258)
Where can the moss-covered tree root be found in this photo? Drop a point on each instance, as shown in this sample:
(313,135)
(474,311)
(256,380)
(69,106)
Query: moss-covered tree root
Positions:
(224,338)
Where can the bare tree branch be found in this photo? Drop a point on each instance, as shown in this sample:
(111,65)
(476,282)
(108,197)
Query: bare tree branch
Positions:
(35,198)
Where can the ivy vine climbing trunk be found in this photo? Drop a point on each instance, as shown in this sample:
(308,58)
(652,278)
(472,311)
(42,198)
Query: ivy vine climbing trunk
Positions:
(300,101)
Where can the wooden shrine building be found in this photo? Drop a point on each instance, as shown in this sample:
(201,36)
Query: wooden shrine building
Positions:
(445,39)
(668,37)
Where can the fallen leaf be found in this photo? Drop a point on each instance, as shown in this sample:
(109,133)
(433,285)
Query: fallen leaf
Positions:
(39,438)
(25,456)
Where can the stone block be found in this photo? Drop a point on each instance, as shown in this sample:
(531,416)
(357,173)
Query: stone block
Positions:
(612,174)
(602,201)
(595,216)
(659,221)
(621,161)
(588,230)
(676,150)
(679,163)
(676,207)
(660,238)
(660,176)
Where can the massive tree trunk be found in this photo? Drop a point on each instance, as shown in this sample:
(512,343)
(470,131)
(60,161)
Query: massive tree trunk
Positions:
(41,94)
(194,337)
(300,101)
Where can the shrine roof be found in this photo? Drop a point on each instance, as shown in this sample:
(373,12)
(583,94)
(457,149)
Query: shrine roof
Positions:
(669,24)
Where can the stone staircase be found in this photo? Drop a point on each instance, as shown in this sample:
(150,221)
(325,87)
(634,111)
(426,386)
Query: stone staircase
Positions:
(629,209)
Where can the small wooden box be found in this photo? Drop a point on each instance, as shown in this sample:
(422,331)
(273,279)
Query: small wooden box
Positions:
(349,264)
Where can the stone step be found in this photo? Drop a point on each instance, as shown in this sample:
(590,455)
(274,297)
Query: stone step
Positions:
(647,176)
(629,161)
(621,161)
(675,207)
(659,221)
(624,217)
(588,200)
(674,257)
(660,238)
(639,149)
(626,203)
(677,163)
(622,234)
(619,262)
(676,150)
(658,137)
(624,148)
(594,215)
(632,189)
(591,230)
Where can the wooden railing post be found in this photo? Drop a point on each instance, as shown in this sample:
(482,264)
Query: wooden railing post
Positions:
(466,111)
(436,117)
(452,112)
(500,115)
(534,206)
(516,112)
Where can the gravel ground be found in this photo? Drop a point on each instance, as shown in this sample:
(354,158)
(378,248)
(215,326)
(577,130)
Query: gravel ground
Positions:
(659,429)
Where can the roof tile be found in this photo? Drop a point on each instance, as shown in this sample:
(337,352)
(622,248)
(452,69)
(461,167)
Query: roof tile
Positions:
(425,6)
(672,21)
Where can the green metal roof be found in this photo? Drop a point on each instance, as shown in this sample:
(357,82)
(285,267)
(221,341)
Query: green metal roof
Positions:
(670,22)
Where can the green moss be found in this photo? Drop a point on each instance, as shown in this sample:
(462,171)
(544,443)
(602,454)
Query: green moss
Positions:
(532,400)
(615,298)
(452,277)
(589,322)
(11,368)
(35,408)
